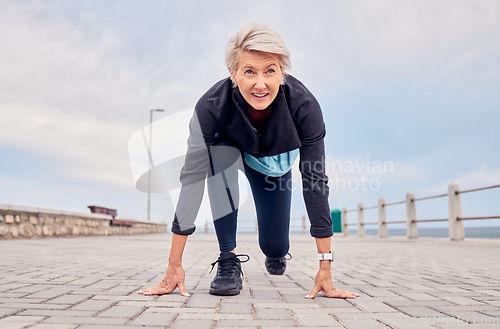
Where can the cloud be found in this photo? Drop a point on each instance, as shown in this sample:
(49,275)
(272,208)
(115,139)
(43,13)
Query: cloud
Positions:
(483,176)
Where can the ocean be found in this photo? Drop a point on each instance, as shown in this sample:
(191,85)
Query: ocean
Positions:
(470,232)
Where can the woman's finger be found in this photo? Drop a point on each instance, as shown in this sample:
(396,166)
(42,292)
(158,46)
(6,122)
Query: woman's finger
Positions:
(313,292)
(182,289)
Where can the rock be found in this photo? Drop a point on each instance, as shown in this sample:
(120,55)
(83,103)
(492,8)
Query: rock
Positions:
(18,219)
(9,219)
(29,230)
(34,220)
(3,230)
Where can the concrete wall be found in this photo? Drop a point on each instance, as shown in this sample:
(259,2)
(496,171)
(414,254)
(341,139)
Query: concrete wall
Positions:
(18,222)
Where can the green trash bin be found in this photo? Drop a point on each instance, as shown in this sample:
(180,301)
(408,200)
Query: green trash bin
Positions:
(336,215)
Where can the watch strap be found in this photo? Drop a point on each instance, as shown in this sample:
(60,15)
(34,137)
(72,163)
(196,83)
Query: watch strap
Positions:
(328,256)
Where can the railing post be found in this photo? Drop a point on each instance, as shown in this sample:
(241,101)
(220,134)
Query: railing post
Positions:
(303,224)
(206,226)
(456,227)
(345,221)
(382,219)
(361,221)
(411,216)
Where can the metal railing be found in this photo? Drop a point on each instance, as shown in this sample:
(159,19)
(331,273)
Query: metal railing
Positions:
(455,218)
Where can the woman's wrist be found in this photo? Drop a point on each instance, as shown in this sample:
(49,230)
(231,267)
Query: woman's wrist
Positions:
(174,261)
(325,265)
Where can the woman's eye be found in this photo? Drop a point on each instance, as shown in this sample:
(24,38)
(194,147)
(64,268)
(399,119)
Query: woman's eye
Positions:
(270,71)
(248,72)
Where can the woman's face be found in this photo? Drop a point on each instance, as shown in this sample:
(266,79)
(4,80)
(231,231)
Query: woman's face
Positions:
(259,77)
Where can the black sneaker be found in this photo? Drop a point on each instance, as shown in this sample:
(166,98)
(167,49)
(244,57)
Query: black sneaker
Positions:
(277,266)
(227,281)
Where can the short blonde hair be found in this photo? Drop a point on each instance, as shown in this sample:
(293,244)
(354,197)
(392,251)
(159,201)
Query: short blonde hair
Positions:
(256,37)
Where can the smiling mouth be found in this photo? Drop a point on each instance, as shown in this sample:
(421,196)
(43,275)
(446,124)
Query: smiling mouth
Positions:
(260,95)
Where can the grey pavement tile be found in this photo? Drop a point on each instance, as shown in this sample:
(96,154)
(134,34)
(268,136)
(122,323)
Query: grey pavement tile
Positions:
(360,321)
(12,285)
(372,305)
(14,322)
(30,289)
(57,313)
(200,301)
(48,293)
(37,306)
(98,326)
(101,284)
(121,312)
(248,327)
(227,316)
(23,300)
(460,300)
(254,323)
(154,319)
(160,309)
(86,320)
(272,314)
(259,293)
(286,305)
(69,299)
(5,311)
(417,295)
(227,307)
(418,311)
(151,303)
(93,305)
(198,324)
(316,318)
(54,326)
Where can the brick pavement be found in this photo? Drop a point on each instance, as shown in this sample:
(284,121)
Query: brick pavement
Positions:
(91,282)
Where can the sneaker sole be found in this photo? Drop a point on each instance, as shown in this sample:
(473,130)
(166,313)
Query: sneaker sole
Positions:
(225,292)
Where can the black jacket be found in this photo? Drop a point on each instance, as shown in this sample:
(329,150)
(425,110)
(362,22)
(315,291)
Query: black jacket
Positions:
(295,122)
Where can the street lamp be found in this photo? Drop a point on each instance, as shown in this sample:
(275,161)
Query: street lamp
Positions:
(150,157)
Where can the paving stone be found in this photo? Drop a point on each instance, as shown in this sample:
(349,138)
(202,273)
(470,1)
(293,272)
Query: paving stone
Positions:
(86,320)
(371,306)
(14,322)
(360,321)
(198,324)
(254,323)
(68,299)
(154,319)
(315,318)
(121,312)
(98,291)
(66,313)
(462,300)
(4,311)
(244,308)
(272,314)
(54,326)
(93,305)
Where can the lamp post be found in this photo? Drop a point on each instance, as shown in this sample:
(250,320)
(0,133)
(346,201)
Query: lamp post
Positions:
(150,157)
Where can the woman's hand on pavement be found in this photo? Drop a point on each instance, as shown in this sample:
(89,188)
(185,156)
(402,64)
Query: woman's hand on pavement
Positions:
(324,284)
(174,278)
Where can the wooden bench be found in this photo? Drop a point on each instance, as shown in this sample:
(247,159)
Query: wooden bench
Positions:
(103,210)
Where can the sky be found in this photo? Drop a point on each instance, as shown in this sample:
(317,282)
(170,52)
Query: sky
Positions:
(409,92)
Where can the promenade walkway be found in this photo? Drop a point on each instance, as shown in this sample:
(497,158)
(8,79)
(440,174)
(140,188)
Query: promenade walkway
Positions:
(91,282)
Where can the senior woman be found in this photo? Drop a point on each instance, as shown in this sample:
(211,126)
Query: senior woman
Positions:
(259,120)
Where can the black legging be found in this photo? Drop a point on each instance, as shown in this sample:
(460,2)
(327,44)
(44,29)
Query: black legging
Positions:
(272,197)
